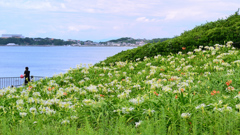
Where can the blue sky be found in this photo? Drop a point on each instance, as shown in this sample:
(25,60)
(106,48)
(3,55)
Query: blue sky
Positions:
(100,20)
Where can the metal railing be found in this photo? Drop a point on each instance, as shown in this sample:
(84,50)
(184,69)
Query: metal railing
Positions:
(15,81)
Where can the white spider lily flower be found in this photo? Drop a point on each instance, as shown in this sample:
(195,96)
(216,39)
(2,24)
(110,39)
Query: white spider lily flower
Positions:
(36,94)
(65,122)
(138,123)
(33,110)
(197,50)
(226,64)
(187,67)
(185,115)
(20,102)
(31,100)
(92,88)
(229,43)
(127,110)
(148,64)
(88,102)
(238,106)
(137,100)
(166,88)
(213,53)
(23,114)
(190,53)
(237,61)
(201,106)
(148,111)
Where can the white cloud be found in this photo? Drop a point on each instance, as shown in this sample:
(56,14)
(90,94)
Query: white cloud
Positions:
(63,5)
(144,19)
(80,27)
(30,4)
(117,27)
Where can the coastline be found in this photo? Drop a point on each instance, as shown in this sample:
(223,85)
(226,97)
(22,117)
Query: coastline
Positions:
(62,46)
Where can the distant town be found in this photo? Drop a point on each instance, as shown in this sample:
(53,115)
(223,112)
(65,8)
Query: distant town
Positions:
(20,40)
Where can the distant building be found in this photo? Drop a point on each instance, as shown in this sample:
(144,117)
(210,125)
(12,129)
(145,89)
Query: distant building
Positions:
(141,43)
(12,36)
(11,44)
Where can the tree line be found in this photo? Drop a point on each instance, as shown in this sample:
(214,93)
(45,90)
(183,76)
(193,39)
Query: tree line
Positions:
(35,41)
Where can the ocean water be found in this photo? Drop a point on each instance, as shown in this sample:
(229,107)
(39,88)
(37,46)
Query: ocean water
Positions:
(47,61)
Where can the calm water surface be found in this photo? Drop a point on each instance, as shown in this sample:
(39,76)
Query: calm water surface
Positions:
(47,61)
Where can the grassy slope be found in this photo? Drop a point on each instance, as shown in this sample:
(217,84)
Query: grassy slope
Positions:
(211,33)
(110,100)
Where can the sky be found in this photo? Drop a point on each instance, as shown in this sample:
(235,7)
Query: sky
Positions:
(102,20)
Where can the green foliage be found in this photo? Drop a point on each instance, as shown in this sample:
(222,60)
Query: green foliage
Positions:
(155,40)
(209,34)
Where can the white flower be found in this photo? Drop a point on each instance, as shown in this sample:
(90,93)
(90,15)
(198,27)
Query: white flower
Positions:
(138,123)
(220,102)
(137,100)
(148,111)
(118,110)
(137,59)
(225,108)
(131,67)
(166,88)
(88,102)
(74,117)
(65,122)
(36,94)
(238,96)
(33,110)
(23,114)
(92,88)
(201,106)
(238,106)
(101,74)
(229,43)
(20,102)
(185,115)
(126,110)
(237,61)
(148,64)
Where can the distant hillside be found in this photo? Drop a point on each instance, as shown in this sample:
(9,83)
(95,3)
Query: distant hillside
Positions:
(34,41)
(218,32)
(133,41)
(123,40)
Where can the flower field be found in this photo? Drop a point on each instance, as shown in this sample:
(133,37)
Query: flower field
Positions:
(186,93)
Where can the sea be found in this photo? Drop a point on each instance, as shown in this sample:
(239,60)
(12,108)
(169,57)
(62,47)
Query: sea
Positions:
(48,61)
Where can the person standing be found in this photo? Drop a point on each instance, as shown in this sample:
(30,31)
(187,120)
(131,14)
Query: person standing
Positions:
(26,75)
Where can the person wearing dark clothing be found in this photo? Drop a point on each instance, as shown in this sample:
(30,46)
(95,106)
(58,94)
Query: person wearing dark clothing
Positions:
(26,75)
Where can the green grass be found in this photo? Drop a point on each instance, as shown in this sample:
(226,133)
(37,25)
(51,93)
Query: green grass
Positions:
(174,94)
